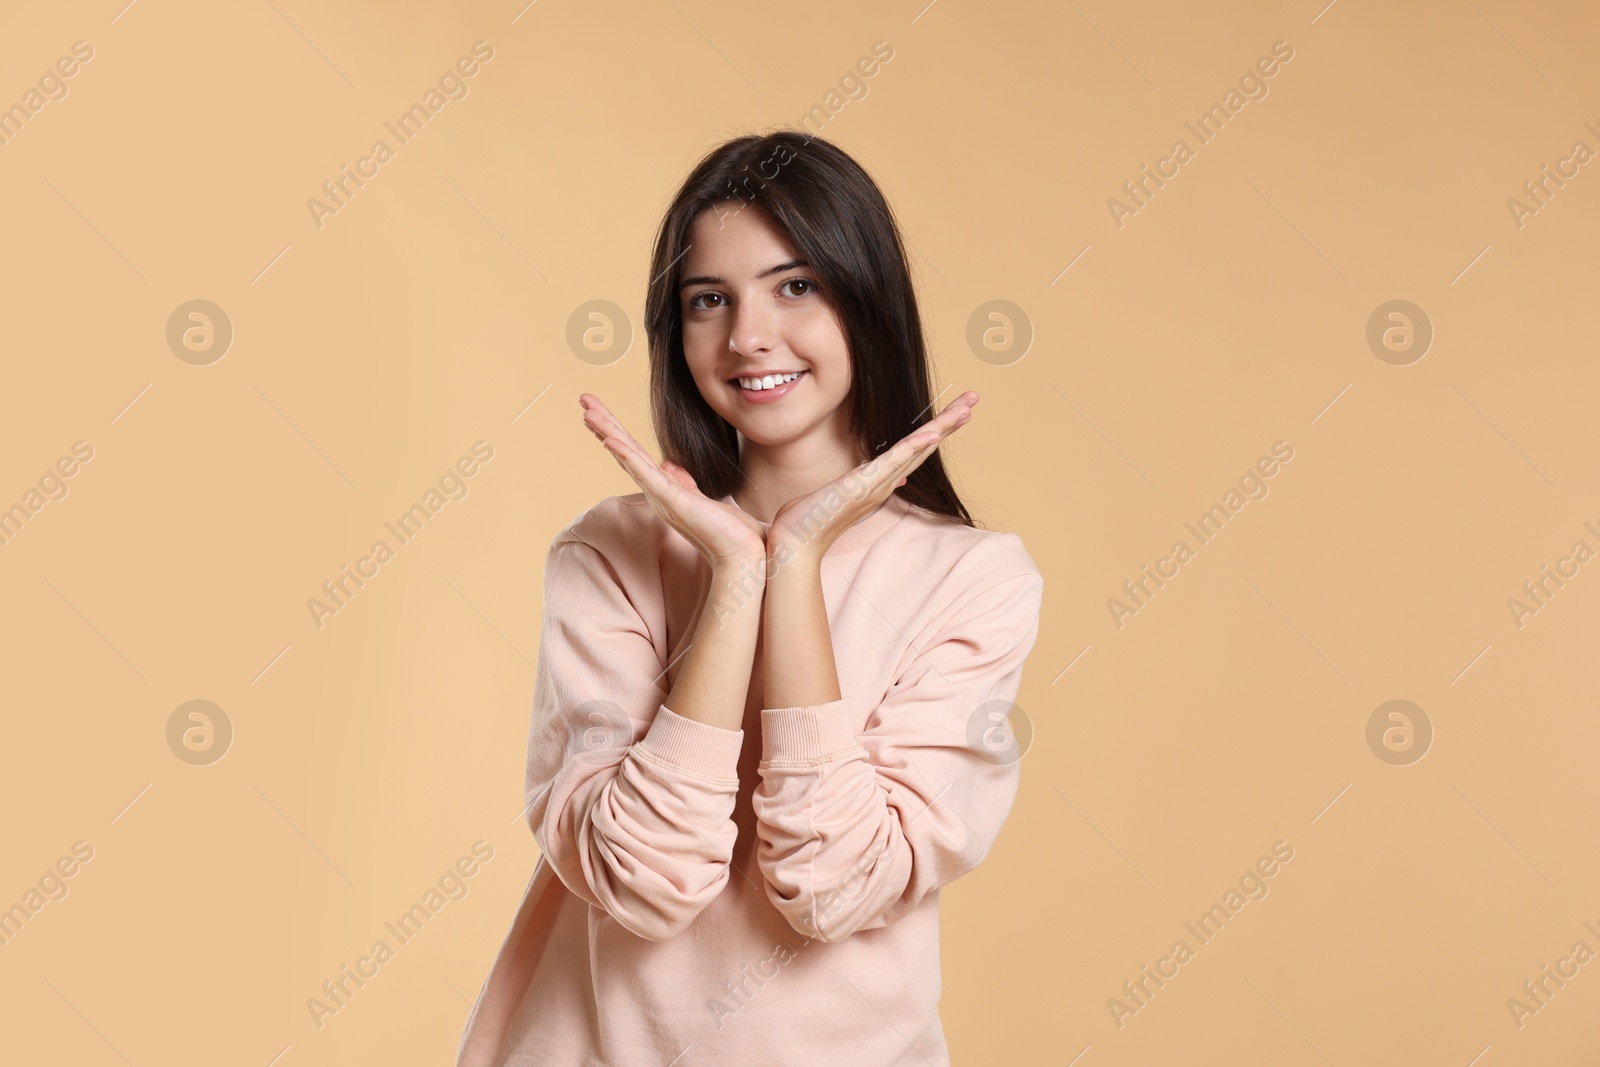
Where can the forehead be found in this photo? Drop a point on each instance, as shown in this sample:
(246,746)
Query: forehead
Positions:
(732,240)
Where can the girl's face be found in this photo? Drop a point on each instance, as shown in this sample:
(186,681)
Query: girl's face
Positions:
(752,310)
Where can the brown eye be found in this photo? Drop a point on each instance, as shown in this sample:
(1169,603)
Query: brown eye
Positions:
(694,301)
(810,285)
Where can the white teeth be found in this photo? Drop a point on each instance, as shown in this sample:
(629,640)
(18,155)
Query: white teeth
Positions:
(768,382)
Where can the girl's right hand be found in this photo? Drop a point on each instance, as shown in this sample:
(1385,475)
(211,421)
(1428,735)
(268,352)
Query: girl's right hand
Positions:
(722,534)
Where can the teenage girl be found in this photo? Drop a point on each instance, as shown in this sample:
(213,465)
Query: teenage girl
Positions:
(772,714)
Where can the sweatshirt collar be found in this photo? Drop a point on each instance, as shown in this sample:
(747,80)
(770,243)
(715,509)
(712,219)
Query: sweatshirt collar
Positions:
(864,531)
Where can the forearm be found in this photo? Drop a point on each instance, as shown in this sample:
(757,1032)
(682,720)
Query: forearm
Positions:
(797,648)
(820,814)
(714,679)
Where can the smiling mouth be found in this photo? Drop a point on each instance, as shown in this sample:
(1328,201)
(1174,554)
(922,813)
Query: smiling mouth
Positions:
(771,381)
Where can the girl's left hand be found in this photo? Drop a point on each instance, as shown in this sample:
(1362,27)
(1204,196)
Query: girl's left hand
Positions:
(810,523)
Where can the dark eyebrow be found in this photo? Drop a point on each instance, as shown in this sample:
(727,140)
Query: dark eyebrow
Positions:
(707,279)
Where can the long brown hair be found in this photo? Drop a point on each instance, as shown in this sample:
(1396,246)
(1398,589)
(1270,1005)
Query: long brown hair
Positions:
(838,219)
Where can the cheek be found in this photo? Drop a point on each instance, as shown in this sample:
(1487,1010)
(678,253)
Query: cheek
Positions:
(820,339)
(699,351)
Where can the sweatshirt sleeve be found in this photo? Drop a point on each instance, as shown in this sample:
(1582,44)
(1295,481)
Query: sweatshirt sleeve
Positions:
(855,830)
(630,803)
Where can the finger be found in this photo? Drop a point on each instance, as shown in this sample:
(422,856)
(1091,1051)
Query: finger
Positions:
(902,458)
(615,438)
(955,414)
(919,443)
(591,417)
(599,417)
(924,439)
(641,468)
(909,453)
(968,399)
(631,455)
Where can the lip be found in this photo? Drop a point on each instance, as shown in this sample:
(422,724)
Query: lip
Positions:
(765,396)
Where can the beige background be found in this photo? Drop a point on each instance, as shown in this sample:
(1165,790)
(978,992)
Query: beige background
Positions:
(1168,354)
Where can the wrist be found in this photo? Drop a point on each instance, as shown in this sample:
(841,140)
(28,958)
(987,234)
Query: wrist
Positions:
(798,565)
(736,585)
(784,554)
(740,570)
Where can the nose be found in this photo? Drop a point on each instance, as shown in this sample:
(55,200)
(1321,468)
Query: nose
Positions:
(751,329)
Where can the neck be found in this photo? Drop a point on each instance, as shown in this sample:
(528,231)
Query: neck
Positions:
(777,474)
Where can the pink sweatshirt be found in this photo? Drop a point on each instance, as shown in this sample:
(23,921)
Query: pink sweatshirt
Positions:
(767,896)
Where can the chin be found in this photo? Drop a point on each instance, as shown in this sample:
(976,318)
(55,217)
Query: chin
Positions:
(770,435)
(767,439)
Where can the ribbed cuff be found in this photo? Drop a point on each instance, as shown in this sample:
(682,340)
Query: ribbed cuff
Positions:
(693,746)
(812,733)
